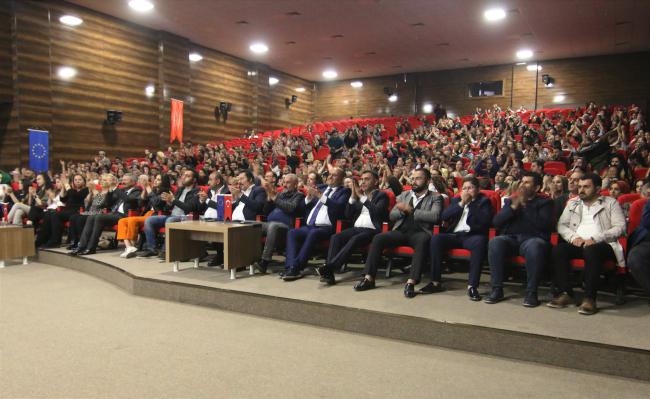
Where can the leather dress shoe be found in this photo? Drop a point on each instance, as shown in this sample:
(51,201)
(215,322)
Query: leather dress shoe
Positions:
(326,275)
(409,290)
(473,294)
(261,266)
(292,275)
(76,251)
(531,300)
(431,288)
(87,252)
(364,285)
(496,296)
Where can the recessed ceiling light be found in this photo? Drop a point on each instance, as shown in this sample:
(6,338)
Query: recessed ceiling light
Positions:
(336,36)
(259,48)
(356,84)
(66,72)
(520,63)
(70,20)
(524,54)
(330,74)
(427,108)
(195,57)
(533,67)
(300,89)
(141,5)
(273,80)
(559,98)
(494,14)
(150,90)
(392,98)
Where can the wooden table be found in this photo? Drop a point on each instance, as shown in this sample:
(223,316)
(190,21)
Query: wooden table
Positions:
(241,243)
(16,242)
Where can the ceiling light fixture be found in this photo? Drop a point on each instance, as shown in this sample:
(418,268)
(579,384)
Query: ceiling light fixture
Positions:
(330,74)
(150,90)
(195,57)
(300,89)
(70,20)
(67,72)
(273,81)
(392,98)
(356,84)
(533,67)
(559,98)
(494,14)
(259,48)
(520,63)
(427,108)
(524,54)
(141,5)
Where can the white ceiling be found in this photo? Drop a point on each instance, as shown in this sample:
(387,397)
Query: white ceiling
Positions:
(454,34)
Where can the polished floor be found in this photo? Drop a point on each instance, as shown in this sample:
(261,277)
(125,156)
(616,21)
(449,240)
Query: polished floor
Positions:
(64,334)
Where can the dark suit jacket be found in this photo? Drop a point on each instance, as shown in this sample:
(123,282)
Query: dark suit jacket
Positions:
(335,203)
(203,206)
(640,233)
(534,220)
(289,204)
(118,196)
(378,209)
(254,203)
(478,218)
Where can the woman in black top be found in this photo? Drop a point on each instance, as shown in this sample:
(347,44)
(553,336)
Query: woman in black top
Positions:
(73,197)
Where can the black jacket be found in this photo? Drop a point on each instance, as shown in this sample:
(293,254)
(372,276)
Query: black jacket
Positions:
(189,204)
(203,206)
(254,203)
(377,207)
(287,206)
(533,220)
(119,196)
(478,217)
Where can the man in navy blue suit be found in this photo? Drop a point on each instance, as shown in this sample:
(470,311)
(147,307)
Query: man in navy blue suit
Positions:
(367,209)
(248,199)
(639,244)
(469,220)
(325,205)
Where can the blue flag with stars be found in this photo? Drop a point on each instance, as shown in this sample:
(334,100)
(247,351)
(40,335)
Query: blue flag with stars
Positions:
(39,150)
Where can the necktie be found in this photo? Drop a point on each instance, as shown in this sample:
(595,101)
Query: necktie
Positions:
(314,214)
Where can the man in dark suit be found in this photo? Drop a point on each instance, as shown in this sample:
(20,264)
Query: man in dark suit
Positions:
(282,209)
(469,218)
(325,205)
(414,215)
(121,201)
(368,210)
(525,224)
(639,242)
(248,199)
(208,201)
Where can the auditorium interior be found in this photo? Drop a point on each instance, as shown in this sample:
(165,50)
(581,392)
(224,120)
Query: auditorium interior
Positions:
(199,198)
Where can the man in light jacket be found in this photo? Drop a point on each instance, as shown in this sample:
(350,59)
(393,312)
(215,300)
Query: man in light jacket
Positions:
(591,227)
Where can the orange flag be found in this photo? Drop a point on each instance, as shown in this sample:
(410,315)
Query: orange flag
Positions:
(176,121)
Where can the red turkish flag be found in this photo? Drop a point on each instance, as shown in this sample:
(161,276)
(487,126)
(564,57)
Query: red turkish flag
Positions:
(176,121)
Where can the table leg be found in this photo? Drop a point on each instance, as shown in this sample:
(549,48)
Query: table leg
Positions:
(2,264)
(196,263)
(175,266)
(25,262)
(251,270)
(232,274)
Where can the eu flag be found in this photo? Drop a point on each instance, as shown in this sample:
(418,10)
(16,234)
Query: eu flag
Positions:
(39,150)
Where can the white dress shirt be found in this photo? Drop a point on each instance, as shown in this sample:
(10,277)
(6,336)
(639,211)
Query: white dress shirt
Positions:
(121,207)
(416,199)
(364,220)
(211,213)
(462,226)
(238,213)
(323,218)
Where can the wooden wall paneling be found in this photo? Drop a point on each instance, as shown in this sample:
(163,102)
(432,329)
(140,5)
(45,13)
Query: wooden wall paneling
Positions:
(299,113)
(220,78)
(339,100)
(32,80)
(9,142)
(174,76)
(263,98)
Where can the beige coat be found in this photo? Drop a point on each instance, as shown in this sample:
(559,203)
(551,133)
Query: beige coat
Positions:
(608,216)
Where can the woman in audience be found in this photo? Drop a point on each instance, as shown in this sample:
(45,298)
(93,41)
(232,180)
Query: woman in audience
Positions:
(128,228)
(94,203)
(618,188)
(34,203)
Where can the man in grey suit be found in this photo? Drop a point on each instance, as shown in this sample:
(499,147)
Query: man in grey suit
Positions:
(414,215)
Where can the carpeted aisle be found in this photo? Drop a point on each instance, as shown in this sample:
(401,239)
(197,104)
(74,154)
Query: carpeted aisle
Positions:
(64,334)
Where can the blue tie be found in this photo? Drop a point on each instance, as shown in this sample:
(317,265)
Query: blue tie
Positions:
(314,214)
